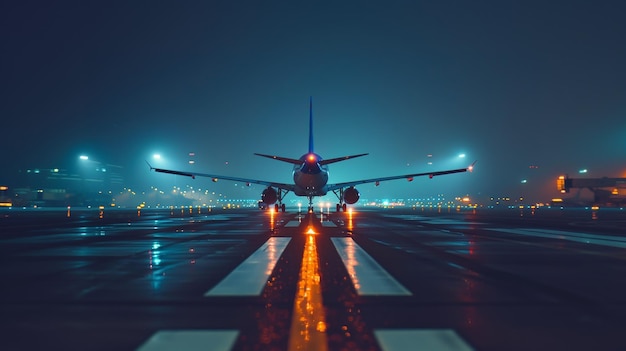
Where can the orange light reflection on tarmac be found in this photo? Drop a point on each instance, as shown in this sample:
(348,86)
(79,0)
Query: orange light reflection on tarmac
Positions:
(308,324)
(350,224)
(271,219)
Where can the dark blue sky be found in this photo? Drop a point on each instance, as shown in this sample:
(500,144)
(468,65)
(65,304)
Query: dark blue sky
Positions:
(509,83)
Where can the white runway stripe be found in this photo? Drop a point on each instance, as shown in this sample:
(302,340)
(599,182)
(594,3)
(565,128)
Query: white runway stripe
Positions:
(420,339)
(190,340)
(292,224)
(368,277)
(250,277)
(596,239)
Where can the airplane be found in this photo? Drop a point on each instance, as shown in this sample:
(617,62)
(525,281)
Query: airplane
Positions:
(310,177)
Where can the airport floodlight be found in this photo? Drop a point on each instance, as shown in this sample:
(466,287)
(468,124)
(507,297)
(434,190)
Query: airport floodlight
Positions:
(84,157)
(582,171)
(461,155)
(156,156)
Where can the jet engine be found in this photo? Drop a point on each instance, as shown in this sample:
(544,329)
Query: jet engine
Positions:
(269,196)
(351,195)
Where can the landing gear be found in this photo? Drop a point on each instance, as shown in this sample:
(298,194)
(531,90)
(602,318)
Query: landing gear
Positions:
(342,207)
(280,207)
(280,195)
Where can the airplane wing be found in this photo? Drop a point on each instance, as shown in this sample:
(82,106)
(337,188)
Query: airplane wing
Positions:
(409,177)
(216,177)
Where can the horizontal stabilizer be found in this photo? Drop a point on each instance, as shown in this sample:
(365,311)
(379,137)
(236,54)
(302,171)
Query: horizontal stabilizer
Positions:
(284,159)
(337,159)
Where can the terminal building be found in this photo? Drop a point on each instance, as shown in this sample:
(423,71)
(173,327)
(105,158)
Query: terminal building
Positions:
(89,185)
(593,191)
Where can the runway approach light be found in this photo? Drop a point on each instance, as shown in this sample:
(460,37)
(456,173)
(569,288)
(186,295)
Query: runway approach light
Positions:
(83,157)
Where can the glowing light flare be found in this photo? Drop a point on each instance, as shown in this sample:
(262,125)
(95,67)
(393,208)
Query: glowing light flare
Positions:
(310,231)
(311,158)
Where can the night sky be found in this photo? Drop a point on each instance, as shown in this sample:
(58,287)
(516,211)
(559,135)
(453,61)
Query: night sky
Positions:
(511,84)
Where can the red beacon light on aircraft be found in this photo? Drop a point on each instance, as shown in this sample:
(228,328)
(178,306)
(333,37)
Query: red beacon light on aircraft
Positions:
(311,158)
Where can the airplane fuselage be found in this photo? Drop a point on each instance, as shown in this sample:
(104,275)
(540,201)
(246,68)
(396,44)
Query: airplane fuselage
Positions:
(310,177)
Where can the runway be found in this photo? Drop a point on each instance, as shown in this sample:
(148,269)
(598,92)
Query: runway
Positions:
(371,279)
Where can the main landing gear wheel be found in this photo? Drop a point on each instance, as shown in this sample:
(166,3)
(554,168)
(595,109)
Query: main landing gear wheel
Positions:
(278,207)
(345,207)
(338,207)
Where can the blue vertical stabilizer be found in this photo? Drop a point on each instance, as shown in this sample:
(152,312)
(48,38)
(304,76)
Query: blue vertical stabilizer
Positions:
(310,124)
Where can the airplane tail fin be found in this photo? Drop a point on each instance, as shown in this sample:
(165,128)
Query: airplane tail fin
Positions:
(310,124)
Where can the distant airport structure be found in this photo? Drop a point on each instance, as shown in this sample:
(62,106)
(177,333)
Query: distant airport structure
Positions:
(605,191)
(91,184)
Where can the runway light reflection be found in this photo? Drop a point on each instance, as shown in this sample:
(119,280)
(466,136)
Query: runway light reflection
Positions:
(308,324)
(351,264)
(350,223)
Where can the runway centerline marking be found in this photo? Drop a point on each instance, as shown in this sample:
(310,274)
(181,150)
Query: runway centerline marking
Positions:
(368,277)
(584,238)
(250,277)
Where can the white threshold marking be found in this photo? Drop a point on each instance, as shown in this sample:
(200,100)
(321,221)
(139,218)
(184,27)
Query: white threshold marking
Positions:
(368,277)
(250,277)
(596,239)
(421,339)
(190,340)
(328,224)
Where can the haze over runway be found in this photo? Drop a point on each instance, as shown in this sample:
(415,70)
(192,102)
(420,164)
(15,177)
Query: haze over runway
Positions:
(383,279)
(511,84)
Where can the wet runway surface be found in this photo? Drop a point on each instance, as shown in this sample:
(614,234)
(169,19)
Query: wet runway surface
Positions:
(383,279)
